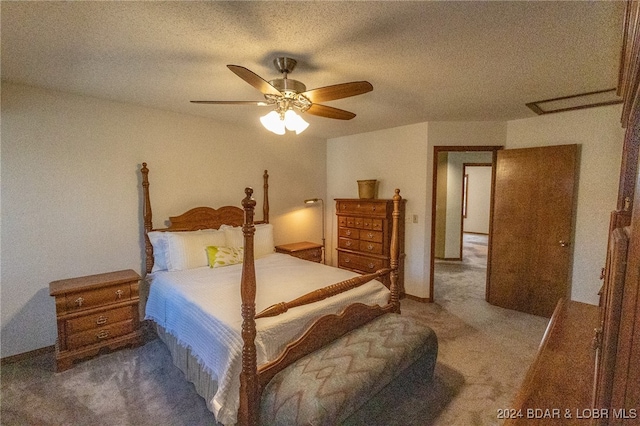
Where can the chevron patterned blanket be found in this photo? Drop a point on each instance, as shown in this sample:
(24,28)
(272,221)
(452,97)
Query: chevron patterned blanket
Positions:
(327,386)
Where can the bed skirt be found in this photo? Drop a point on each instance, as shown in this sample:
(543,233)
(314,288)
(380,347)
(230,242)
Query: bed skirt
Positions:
(206,386)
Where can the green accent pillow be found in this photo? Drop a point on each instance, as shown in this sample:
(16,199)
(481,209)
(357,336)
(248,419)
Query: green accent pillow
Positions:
(224,256)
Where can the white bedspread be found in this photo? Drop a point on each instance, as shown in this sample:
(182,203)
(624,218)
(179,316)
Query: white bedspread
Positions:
(201,308)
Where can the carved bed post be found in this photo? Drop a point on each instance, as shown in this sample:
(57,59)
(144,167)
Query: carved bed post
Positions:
(248,412)
(146,214)
(395,252)
(265,201)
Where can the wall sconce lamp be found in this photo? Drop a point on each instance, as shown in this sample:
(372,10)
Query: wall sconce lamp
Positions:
(316,201)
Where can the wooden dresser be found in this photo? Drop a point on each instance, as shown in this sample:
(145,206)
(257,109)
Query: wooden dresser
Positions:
(95,312)
(302,250)
(364,236)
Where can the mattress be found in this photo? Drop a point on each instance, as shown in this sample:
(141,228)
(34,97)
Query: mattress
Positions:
(201,308)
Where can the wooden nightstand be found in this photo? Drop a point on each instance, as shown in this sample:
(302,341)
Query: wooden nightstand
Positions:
(95,312)
(303,250)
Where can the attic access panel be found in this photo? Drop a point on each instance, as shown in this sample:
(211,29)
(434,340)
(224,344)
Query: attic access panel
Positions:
(583,100)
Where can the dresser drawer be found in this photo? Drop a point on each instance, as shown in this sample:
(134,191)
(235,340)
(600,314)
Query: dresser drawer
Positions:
(373,224)
(98,335)
(97,297)
(373,236)
(349,233)
(361,207)
(370,247)
(100,319)
(360,262)
(348,243)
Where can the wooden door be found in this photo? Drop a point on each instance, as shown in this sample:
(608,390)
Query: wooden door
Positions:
(530,256)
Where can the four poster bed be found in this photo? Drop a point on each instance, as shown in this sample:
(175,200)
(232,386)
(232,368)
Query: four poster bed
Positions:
(312,360)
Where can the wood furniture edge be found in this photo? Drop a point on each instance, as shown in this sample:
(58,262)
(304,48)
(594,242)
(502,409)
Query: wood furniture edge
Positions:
(560,334)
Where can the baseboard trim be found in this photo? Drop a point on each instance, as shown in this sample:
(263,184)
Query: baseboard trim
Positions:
(27,355)
(419,299)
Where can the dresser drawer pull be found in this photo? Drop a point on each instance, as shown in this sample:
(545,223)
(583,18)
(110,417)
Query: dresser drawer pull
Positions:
(373,208)
(371,265)
(348,232)
(348,244)
(357,224)
(103,334)
(370,247)
(347,260)
(79,301)
(101,320)
(370,235)
(119,294)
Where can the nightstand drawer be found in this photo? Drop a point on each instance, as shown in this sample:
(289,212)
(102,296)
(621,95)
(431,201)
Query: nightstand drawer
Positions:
(100,319)
(302,250)
(97,297)
(98,335)
(314,255)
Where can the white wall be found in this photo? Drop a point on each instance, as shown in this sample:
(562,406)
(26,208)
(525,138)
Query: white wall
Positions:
(396,158)
(405,155)
(478,199)
(71,202)
(600,136)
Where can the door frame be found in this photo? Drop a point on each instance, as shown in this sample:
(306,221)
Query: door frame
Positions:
(449,148)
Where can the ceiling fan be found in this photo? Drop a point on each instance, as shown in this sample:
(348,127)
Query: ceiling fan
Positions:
(288,95)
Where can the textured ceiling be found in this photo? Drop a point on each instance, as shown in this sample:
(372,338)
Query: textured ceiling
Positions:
(427,60)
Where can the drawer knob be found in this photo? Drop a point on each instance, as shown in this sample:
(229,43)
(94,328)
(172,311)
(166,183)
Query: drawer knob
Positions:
(101,320)
(79,301)
(103,334)
(348,243)
(347,260)
(370,247)
(371,265)
(119,294)
(349,232)
(370,235)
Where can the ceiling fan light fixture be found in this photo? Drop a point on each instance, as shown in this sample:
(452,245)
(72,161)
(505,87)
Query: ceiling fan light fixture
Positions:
(277,122)
(273,123)
(294,122)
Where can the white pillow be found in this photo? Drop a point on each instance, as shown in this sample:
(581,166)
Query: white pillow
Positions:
(187,250)
(262,239)
(158,242)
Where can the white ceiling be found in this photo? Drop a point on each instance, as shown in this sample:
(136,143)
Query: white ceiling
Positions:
(427,60)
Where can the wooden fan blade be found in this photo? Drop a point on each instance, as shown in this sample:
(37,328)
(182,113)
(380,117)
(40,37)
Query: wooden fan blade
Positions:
(256,103)
(338,91)
(255,80)
(330,112)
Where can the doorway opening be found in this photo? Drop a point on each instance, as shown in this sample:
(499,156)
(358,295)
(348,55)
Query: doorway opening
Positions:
(461,205)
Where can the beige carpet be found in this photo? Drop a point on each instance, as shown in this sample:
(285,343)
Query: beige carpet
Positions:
(484,352)
(490,347)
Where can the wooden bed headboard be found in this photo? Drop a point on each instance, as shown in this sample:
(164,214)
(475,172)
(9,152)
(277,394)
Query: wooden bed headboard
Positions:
(196,218)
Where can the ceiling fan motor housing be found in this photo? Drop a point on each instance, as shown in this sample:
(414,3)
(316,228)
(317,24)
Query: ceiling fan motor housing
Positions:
(285,85)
